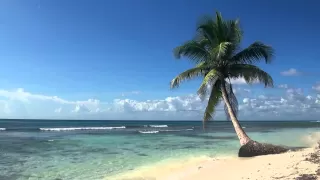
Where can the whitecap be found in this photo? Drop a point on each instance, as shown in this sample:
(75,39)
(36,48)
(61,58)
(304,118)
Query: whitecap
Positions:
(177,130)
(158,126)
(311,139)
(2,129)
(81,128)
(148,132)
(50,140)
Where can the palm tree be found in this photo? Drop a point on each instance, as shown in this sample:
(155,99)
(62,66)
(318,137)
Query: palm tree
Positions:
(218,57)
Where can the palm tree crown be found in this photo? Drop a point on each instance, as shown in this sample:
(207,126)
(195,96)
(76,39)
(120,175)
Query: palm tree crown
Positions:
(219,58)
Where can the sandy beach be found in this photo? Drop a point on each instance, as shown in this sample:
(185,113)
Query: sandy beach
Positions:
(290,165)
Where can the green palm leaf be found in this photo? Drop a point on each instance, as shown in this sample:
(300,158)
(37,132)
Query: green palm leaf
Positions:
(220,50)
(207,29)
(251,74)
(254,53)
(234,32)
(192,49)
(209,79)
(214,100)
(187,75)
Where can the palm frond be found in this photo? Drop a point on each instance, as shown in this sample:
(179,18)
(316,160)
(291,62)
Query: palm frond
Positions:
(206,28)
(234,32)
(215,30)
(234,35)
(251,74)
(214,100)
(232,100)
(220,50)
(187,75)
(209,79)
(192,49)
(254,53)
(201,64)
(220,26)
(224,36)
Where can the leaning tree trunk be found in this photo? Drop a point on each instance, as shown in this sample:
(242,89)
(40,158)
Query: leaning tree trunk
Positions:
(243,137)
(249,148)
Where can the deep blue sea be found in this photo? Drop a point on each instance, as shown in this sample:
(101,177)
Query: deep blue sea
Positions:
(93,150)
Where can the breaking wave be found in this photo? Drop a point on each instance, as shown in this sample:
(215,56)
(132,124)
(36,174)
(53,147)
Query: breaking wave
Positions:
(148,132)
(177,130)
(167,130)
(2,129)
(312,139)
(81,128)
(158,126)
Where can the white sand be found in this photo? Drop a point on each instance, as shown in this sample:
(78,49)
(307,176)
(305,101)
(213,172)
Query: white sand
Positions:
(281,166)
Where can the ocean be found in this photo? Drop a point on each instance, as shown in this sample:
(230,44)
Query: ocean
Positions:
(93,150)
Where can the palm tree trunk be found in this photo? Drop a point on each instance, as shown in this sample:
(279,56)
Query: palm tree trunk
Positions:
(243,137)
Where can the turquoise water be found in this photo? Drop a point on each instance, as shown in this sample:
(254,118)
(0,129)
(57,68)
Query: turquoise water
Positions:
(92,150)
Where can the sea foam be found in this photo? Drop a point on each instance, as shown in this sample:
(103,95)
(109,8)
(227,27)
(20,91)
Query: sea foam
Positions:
(311,139)
(81,128)
(158,126)
(148,132)
(176,130)
(167,130)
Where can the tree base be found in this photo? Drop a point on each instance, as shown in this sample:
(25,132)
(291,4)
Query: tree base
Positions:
(253,148)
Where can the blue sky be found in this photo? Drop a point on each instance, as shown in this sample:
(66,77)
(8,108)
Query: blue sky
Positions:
(105,59)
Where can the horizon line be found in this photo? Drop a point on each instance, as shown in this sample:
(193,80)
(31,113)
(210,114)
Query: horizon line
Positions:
(37,119)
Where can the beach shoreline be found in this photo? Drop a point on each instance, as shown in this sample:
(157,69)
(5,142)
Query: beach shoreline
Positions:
(290,165)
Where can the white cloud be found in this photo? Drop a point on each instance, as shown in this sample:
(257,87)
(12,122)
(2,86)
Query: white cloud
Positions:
(293,104)
(245,100)
(316,87)
(240,81)
(283,86)
(179,103)
(81,108)
(291,72)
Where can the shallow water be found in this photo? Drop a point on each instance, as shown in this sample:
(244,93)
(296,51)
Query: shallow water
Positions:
(98,149)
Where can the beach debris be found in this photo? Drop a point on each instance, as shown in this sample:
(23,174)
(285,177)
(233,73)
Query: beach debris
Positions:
(314,158)
(307,177)
(199,167)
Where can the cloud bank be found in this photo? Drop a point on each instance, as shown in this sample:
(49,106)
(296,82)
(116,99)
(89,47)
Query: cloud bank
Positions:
(291,104)
(316,87)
